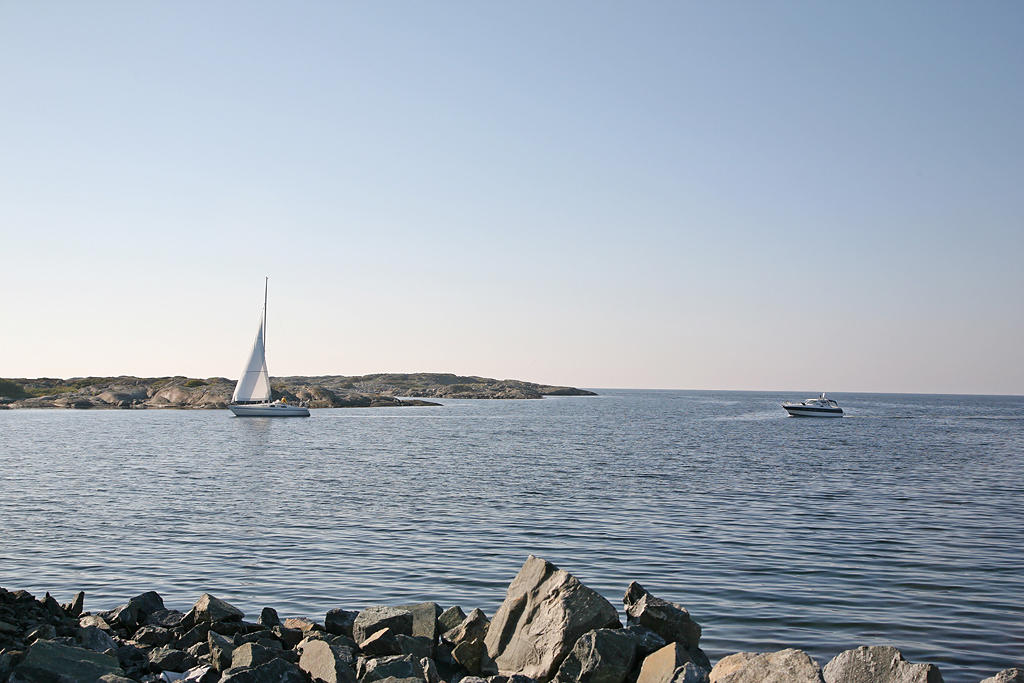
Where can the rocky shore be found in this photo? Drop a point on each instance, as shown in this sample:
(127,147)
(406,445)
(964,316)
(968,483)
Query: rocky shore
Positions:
(549,628)
(328,391)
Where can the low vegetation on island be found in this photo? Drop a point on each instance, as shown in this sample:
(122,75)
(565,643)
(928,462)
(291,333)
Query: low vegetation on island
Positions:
(329,391)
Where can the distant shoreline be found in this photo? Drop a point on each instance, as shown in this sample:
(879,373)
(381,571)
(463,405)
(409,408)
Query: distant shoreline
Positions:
(325,391)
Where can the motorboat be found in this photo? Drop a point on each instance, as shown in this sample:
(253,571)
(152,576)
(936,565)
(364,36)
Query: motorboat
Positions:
(251,397)
(821,406)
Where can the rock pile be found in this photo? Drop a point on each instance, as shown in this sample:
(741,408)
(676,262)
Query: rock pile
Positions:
(549,628)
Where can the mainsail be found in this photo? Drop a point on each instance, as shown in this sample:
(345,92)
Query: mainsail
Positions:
(254,384)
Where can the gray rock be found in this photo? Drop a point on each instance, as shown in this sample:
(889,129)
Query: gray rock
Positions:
(274,671)
(168,659)
(210,609)
(327,663)
(403,666)
(146,604)
(340,622)
(47,661)
(153,635)
(380,644)
(450,618)
(77,604)
(784,666)
(468,646)
(669,620)
(419,646)
(126,615)
(41,632)
(599,656)
(883,664)
(690,673)
(268,617)
(166,618)
(663,665)
(1007,676)
(94,620)
(201,674)
(95,639)
(221,649)
(424,619)
(194,635)
(545,611)
(290,637)
(200,651)
(251,655)
(647,641)
(113,678)
(373,619)
(132,659)
(430,672)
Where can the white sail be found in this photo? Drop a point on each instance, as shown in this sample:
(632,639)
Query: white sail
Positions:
(254,384)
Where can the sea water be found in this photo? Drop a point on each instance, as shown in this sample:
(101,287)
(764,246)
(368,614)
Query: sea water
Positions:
(901,524)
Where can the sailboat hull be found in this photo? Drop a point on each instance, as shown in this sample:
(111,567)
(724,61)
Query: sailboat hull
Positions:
(268,410)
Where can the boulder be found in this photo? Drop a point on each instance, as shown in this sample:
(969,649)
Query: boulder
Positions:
(274,671)
(420,646)
(669,620)
(784,666)
(880,664)
(221,649)
(599,656)
(403,666)
(373,619)
(302,624)
(424,619)
(663,665)
(95,639)
(167,618)
(326,663)
(77,604)
(168,659)
(450,618)
(545,611)
(380,644)
(1007,676)
(467,643)
(46,661)
(690,673)
(94,620)
(251,655)
(340,621)
(268,617)
(210,609)
(153,635)
(647,641)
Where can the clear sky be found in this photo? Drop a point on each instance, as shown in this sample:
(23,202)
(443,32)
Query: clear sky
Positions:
(731,195)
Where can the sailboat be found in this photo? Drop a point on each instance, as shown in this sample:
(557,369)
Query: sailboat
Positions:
(252,393)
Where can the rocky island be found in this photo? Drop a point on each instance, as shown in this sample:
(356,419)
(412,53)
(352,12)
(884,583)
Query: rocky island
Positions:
(550,628)
(328,391)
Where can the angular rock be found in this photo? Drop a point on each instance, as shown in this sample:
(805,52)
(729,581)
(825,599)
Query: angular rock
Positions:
(784,666)
(251,655)
(418,646)
(113,678)
(95,639)
(268,617)
(153,635)
(194,635)
(669,620)
(1007,676)
(221,649)
(77,604)
(274,671)
(326,663)
(302,624)
(132,659)
(380,644)
(45,661)
(147,603)
(450,618)
(210,609)
(340,622)
(424,619)
(41,632)
(404,666)
(647,641)
(545,611)
(599,656)
(94,620)
(691,673)
(881,664)
(201,674)
(373,619)
(200,651)
(289,637)
(166,618)
(168,659)
(661,666)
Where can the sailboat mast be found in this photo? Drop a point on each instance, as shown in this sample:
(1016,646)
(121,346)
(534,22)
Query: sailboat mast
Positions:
(265,281)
